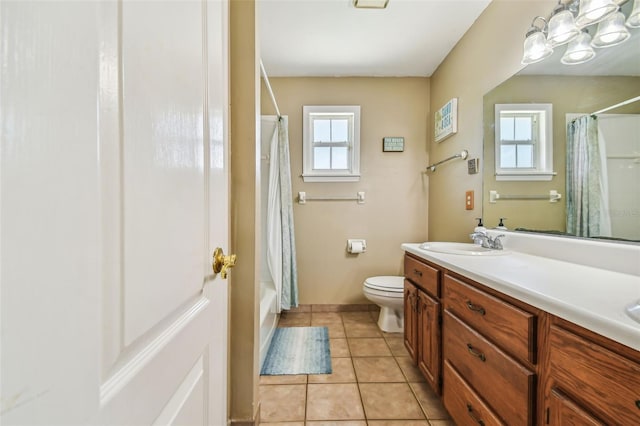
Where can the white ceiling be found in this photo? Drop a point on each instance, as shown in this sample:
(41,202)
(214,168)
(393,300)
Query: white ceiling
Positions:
(333,38)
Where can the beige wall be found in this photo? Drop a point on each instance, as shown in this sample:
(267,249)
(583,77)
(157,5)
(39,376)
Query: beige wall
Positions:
(488,54)
(244,203)
(395,210)
(568,94)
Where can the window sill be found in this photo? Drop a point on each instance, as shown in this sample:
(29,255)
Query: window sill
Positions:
(331,178)
(539,176)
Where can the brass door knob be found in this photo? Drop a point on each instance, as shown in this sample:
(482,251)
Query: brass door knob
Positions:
(222,263)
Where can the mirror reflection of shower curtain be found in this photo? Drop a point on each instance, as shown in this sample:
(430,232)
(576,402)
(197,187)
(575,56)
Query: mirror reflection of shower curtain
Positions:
(587,193)
(281,248)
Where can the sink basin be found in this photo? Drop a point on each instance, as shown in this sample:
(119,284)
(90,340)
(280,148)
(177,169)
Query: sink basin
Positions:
(633,311)
(465,249)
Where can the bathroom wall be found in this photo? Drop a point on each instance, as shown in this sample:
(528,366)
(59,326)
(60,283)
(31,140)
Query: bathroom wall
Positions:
(488,54)
(395,210)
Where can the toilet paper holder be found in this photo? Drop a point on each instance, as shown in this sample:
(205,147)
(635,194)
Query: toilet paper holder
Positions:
(356,246)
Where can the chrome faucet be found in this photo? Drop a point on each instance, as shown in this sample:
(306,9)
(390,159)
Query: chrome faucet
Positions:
(486,241)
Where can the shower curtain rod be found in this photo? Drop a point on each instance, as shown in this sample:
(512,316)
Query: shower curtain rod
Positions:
(266,81)
(623,103)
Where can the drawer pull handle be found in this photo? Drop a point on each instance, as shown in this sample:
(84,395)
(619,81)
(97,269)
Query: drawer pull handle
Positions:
(475,308)
(418,273)
(473,416)
(473,351)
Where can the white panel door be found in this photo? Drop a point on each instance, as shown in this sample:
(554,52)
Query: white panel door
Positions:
(114,194)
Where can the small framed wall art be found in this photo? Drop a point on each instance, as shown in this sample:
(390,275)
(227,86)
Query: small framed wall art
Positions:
(446,120)
(393,144)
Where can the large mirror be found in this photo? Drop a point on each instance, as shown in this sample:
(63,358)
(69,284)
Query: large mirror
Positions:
(575,91)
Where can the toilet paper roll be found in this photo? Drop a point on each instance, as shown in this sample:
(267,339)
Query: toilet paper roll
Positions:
(356,247)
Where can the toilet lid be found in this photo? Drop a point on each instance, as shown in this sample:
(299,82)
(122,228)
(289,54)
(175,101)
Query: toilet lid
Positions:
(386,283)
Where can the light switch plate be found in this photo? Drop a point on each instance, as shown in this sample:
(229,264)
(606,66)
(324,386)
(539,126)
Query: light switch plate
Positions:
(468,203)
(473,165)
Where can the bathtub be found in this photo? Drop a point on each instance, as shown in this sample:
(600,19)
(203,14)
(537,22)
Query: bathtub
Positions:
(268,317)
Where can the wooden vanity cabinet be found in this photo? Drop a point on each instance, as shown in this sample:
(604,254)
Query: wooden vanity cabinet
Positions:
(490,347)
(588,379)
(422,319)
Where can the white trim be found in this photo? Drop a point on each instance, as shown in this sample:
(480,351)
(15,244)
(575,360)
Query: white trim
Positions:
(543,170)
(311,175)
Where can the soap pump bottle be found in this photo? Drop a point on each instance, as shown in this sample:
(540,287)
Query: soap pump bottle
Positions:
(480,227)
(501,224)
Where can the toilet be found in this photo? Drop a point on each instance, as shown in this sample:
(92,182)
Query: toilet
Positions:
(388,293)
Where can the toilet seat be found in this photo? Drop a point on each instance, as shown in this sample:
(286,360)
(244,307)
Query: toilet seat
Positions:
(391,284)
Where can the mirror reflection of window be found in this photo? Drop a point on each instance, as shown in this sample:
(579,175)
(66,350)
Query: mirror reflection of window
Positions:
(524,143)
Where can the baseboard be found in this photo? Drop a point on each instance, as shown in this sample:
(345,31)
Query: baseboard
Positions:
(334,308)
(254,422)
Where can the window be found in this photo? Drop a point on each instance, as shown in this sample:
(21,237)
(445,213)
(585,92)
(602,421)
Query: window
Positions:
(524,142)
(331,143)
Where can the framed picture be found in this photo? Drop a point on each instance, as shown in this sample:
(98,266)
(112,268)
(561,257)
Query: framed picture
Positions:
(446,120)
(393,144)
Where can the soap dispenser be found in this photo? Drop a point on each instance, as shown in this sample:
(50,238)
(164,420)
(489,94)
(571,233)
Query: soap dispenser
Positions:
(501,224)
(480,227)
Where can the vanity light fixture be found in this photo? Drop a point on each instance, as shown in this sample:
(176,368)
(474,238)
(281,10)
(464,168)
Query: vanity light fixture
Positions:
(579,50)
(611,32)
(370,4)
(593,11)
(536,47)
(634,17)
(562,26)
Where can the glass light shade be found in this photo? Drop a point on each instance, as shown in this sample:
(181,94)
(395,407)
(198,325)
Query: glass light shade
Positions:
(592,11)
(562,28)
(634,17)
(579,50)
(611,31)
(535,48)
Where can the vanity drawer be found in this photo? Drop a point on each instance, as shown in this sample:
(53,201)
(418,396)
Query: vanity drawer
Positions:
(596,377)
(506,325)
(465,406)
(507,386)
(422,275)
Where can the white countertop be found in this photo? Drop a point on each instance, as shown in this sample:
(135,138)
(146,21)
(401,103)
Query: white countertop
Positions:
(593,298)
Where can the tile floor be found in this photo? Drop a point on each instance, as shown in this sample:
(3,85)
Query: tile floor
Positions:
(374,382)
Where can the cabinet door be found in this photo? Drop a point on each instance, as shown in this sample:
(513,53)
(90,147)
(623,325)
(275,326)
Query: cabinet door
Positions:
(429,355)
(565,412)
(410,319)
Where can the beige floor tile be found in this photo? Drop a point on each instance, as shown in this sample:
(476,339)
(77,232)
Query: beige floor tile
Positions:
(334,402)
(429,401)
(396,344)
(442,423)
(361,317)
(368,347)
(281,403)
(336,331)
(285,379)
(342,372)
(377,370)
(338,423)
(295,319)
(324,318)
(353,329)
(399,423)
(384,401)
(410,370)
(339,348)
(282,424)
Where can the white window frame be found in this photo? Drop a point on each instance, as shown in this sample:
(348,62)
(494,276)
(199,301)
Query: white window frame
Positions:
(543,143)
(352,174)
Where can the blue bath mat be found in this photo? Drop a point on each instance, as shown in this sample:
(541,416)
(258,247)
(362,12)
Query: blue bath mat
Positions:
(298,350)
